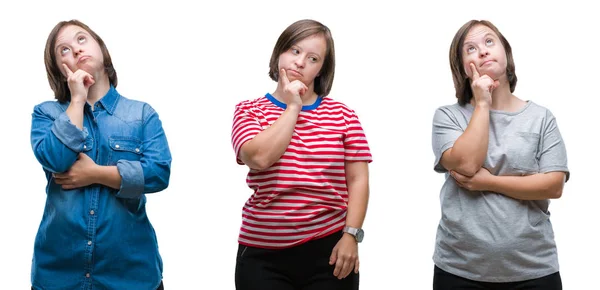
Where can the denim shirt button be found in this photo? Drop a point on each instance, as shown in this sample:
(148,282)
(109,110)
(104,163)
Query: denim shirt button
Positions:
(117,146)
(87,275)
(137,150)
(92,212)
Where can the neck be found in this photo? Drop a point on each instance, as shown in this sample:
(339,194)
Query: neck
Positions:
(502,98)
(98,89)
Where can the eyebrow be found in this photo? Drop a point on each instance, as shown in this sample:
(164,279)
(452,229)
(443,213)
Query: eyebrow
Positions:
(484,36)
(75,36)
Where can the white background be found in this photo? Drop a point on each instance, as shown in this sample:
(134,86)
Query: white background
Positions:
(194,63)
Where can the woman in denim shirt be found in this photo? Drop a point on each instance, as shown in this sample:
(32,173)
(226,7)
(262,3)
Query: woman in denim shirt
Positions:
(101,152)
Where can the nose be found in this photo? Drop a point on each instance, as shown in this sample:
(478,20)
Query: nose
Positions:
(300,61)
(483,51)
(77,50)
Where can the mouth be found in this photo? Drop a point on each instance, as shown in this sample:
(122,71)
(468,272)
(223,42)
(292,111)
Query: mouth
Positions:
(294,72)
(487,62)
(83,58)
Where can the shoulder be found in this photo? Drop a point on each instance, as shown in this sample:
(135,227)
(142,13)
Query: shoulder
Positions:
(132,103)
(52,108)
(252,103)
(452,111)
(451,108)
(333,105)
(260,105)
(538,110)
(127,108)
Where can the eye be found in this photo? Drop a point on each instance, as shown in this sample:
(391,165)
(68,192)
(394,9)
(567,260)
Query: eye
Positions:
(313,59)
(81,39)
(489,41)
(295,50)
(64,50)
(470,49)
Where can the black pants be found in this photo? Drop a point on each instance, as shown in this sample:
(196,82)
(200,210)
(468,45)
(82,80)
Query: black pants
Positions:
(160,287)
(304,267)
(443,280)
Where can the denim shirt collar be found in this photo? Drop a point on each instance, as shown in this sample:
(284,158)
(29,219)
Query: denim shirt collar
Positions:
(110,100)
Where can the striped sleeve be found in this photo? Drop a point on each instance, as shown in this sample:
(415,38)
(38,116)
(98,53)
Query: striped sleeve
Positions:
(245,127)
(356,147)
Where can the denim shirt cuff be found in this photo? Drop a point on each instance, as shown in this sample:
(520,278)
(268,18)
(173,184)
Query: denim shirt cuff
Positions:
(69,134)
(132,179)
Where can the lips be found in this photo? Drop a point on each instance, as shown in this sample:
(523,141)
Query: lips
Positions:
(293,71)
(487,62)
(83,58)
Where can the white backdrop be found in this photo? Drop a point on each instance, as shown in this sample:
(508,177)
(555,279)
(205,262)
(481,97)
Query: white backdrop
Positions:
(194,63)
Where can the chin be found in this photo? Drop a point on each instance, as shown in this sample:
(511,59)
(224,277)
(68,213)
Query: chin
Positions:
(495,74)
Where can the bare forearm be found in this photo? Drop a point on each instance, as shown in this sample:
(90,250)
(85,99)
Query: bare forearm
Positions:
(108,176)
(75,113)
(470,149)
(268,146)
(357,203)
(357,180)
(532,187)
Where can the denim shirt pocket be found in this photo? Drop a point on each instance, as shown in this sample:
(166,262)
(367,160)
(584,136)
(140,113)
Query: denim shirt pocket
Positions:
(124,148)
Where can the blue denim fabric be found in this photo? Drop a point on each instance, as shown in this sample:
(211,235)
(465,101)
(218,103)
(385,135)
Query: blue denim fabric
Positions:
(96,237)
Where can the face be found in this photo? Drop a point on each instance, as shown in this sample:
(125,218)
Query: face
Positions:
(304,60)
(76,48)
(483,48)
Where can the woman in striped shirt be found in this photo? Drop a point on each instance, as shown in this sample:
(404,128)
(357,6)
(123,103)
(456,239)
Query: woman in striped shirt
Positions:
(308,158)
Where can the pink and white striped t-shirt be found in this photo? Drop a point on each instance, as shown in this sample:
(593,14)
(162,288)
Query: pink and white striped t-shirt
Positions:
(302,196)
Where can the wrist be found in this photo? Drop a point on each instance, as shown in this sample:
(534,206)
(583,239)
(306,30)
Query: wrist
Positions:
(78,101)
(488,183)
(348,236)
(355,233)
(294,107)
(97,174)
(482,105)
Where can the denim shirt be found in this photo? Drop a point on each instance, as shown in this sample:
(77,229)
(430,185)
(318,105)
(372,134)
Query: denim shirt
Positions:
(97,237)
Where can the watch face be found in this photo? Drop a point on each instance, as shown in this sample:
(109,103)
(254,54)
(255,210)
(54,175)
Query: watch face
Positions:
(360,234)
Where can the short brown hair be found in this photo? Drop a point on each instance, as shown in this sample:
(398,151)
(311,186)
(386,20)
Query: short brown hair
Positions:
(462,83)
(57,81)
(296,32)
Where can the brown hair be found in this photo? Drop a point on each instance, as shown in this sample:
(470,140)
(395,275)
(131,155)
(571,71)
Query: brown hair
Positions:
(296,32)
(462,83)
(57,81)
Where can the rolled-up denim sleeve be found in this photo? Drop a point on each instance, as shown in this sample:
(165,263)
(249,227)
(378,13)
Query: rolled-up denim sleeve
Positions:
(55,141)
(150,174)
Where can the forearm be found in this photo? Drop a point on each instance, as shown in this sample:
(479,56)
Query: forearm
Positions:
(55,140)
(469,151)
(532,187)
(75,113)
(358,199)
(108,176)
(357,181)
(269,145)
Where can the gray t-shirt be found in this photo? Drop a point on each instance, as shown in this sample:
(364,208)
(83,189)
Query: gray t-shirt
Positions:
(487,236)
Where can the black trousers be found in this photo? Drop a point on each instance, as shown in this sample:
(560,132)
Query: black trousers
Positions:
(304,267)
(160,287)
(443,280)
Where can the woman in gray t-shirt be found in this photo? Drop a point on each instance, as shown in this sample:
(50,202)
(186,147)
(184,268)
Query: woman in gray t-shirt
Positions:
(503,159)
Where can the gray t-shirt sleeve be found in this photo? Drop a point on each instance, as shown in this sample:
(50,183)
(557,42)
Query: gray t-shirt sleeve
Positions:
(446,129)
(552,151)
